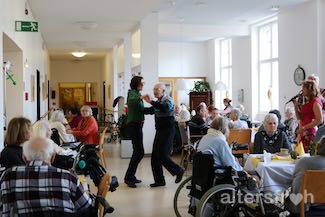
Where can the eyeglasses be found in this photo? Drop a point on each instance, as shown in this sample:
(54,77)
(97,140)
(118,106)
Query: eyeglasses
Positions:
(84,111)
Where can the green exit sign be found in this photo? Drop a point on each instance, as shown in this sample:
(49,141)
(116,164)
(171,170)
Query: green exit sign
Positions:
(26,26)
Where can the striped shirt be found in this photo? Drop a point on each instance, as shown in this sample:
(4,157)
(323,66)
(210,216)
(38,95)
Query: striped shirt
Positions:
(40,188)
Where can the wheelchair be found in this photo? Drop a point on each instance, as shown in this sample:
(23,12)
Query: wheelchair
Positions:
(225,193)
(87,163)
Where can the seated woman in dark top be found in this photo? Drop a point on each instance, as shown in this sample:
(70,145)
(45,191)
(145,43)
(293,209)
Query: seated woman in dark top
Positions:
(270,139)
(19,131)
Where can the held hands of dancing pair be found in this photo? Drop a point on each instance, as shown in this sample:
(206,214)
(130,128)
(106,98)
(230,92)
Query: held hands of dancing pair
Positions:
(146,98)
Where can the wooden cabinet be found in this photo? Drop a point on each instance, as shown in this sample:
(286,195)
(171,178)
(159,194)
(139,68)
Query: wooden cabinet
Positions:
(197,97)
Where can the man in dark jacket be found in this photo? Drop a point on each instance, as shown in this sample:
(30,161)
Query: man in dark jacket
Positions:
(163,109)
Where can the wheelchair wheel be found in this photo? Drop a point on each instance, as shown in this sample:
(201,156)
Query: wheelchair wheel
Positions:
(218,201)
(182,198)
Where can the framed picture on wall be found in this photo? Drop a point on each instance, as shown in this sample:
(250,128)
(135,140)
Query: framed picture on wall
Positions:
(32,88)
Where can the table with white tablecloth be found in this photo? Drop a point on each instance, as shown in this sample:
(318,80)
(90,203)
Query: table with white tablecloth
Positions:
(276,176)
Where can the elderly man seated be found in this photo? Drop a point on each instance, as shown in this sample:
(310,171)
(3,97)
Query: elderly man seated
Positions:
(197,124)
(39,189)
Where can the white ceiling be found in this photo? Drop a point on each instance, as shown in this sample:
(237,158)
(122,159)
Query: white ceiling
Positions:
(203,20)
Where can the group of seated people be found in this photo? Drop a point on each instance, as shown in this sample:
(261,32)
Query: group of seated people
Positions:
(272,135)
(215,143)
(28,156)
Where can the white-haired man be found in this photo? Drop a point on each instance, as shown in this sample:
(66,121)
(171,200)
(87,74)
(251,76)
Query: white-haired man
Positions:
(39,189)
(163,109)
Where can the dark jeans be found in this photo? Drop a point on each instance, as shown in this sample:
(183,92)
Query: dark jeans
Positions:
(136,135)
(161,153)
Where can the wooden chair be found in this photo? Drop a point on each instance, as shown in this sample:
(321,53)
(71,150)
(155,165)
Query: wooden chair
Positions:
(312,188)
(103,190)
(240,136)
(101,152)
(185,137)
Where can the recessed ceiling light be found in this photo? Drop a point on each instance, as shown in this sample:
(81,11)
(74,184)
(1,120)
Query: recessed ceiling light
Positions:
(79,54)
(242,21)
(201,3)
(275,8)
(87,25)
(171,2)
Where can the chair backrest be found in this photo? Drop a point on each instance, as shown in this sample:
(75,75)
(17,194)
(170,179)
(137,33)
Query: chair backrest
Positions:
(55,136)
(202,174)
(103,189)
(184,132)
(240,136)
(312,188)
(104,185)
(102,137)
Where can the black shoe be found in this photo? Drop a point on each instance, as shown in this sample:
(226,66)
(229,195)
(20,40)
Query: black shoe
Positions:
(179,176)
(130,184)
(158,184)
(137,181)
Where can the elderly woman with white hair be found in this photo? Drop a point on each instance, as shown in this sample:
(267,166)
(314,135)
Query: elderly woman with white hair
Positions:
(87,129)
(57,121)
(215,143)
(270,139)
(42,128)
(236,123)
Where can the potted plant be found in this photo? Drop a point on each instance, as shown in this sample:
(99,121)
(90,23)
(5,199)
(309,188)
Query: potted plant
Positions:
(201,86)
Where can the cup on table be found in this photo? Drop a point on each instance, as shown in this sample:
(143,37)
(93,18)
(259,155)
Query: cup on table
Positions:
(267,158)
(284,151)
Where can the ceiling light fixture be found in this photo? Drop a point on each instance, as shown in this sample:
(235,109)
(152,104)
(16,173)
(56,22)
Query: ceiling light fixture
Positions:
(26,65)
(87,25)
(275,8)
(171,3)
(181,84)
(201,3)
(79,54)
(136,55)
(220,86)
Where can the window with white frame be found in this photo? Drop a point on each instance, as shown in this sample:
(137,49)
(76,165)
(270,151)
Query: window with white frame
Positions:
(266,80)
(224,70)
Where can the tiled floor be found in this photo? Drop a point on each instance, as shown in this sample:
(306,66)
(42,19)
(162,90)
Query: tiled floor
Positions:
(142,201)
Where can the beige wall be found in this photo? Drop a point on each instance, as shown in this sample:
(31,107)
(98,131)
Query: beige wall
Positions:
(82,71)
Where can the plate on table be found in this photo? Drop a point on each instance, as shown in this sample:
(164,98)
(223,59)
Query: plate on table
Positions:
(282,154)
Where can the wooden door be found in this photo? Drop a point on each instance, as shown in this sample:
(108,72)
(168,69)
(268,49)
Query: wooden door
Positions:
(72,97)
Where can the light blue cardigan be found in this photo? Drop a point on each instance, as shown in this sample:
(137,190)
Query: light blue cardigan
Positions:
(214,142)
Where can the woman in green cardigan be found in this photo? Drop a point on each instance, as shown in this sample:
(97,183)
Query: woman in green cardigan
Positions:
(135,119)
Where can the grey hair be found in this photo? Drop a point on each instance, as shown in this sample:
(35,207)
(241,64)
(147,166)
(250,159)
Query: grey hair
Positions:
(221,124)
(241,107)
(38,148)
(290,110)
(41,129)
(321,146)
(236,111)
(86,107)
(57,116)
(269,118)
(161,85)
